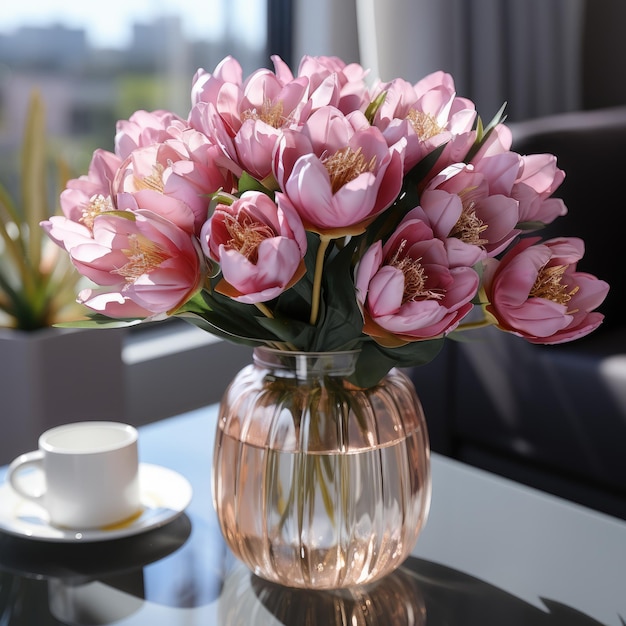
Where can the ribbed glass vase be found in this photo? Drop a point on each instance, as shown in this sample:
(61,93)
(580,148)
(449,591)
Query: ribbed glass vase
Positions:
(317,483)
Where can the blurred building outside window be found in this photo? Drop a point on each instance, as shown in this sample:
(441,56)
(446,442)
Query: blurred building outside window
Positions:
(97,63)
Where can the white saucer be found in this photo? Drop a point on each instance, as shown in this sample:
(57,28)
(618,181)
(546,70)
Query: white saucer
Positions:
(165,494)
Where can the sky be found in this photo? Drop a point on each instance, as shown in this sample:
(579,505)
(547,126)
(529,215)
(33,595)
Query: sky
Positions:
(109,22)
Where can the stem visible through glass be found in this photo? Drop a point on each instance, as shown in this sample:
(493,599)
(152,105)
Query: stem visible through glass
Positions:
(317,280)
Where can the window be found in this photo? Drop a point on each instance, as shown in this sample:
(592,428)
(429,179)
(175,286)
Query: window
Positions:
(97,63)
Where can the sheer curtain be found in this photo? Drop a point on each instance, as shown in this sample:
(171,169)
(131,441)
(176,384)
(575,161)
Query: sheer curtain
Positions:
(325,27)
(527,53)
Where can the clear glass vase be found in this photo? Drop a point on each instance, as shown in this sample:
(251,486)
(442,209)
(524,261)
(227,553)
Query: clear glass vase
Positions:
(317,483)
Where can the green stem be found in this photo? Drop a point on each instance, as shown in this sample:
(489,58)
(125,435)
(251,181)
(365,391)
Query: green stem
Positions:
(264,309)
(317,280)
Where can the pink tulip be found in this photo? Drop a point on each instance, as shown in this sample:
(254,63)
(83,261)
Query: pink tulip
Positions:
(164,179)
(87,196)
(499,170)
(489,218)
(334,82)
(535,291)
(145,128)
(337,171)
(531,181)
(260,247)
(538,178)
(499,141)
(216,99)
(455,224)
(267,107)
(67,233)
(407,289)
(246,119)
(428,114)
(141,261)
(206,86)
(115,304)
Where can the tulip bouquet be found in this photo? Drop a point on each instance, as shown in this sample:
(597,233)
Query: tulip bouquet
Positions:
(317,212)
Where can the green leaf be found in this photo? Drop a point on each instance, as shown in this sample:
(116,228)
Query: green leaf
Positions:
(498,118)
(375,360)
(374,105)
(34,296)
(419,172)
(294,332)
(531,225)
(341,320)
(415,353)
(304,287)
(203,324)
(483,134)
(293,304)
(34,177)
(127,215)
(8,210)
(226,318)
(249,183)
(99,321)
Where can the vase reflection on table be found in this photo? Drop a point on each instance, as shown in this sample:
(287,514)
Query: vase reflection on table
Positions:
(395,600)
(318,483)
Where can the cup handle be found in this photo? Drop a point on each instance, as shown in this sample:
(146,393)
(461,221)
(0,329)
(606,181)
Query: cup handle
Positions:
(32,459)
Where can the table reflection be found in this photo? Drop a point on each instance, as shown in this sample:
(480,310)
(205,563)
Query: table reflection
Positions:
(40,559)
(419,593)
(183,573)
(81,584)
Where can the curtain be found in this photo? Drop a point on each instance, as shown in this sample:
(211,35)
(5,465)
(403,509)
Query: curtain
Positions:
(325,27)
(604,54)
(523,52)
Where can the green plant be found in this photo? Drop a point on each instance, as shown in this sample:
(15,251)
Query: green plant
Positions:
(37,280)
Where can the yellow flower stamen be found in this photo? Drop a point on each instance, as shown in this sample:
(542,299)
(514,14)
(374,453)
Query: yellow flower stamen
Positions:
(246,235)
(97,205)
(271,113)
(414,277)
(154,181)
(548,285)
(424,125)
(143,257)
(345,165)
(469,226)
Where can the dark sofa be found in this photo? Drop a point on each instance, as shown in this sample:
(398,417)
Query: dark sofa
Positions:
(553,417)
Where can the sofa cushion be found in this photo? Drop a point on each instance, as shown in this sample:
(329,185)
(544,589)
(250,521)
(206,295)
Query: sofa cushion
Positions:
(591,148)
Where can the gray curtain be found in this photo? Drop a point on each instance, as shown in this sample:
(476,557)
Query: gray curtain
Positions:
(524,52)
(604,54)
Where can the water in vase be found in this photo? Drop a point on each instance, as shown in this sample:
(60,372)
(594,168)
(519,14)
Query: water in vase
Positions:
(322,520)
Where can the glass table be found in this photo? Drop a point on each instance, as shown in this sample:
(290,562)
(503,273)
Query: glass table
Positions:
(493,552)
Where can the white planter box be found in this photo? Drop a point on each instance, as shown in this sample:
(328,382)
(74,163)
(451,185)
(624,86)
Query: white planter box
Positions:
(53,376)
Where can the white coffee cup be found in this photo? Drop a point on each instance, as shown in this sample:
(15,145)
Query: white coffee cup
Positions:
(90,471)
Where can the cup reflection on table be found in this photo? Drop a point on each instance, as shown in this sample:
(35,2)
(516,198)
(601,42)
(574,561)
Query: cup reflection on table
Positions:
(92,583)
(88,602)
